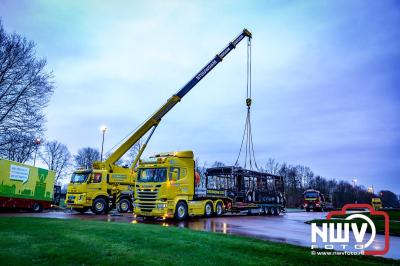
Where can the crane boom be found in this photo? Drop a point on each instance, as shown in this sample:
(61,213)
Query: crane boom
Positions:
(155,119)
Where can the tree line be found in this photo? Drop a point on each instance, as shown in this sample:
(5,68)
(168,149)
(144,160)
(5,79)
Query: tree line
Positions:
(298,178)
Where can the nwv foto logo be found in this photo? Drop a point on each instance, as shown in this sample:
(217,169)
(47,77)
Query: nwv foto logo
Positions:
(336,234)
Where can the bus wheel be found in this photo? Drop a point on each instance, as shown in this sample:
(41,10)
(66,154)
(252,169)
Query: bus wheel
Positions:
(37,207)
(219,209)
(181,211)
(208,209)
(99,206)
(124,205)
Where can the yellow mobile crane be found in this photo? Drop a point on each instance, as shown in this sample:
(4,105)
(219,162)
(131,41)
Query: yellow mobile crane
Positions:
(108,184)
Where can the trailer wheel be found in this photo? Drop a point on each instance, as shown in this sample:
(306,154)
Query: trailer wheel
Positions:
(219,209)
(276,211)
(37,207)
(208,209)
(124,205)
(181,211)
(99,206)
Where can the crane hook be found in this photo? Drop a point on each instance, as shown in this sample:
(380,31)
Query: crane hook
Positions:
(248,102)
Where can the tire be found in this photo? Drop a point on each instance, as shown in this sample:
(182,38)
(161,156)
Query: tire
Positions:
(181,211)
(268,210)
(124,205)
(208,209)
(81,210)
(307,209)
(219,209)
(276,211)
(37,207)
(99,206)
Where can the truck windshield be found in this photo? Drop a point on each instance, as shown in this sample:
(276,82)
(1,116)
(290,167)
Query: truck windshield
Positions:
(152,175)
(311,195)
(79,177)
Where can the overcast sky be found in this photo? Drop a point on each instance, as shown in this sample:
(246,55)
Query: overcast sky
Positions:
(325,78)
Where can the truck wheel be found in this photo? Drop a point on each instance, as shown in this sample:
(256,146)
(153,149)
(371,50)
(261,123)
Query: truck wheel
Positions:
(276,211)
(99,206)
(81,210)
(219,209)
(208,209)
(307,209)
(124,205)
(37,207)
(268,210)
(181,211)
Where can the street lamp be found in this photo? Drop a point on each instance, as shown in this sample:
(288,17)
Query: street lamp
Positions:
(103,129)
(37,143)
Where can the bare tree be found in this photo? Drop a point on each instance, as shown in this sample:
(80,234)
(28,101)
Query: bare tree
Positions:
(57,158)
(25,88)
(86,157)
(17,146)
(218,164)
(272,166)
(130,156)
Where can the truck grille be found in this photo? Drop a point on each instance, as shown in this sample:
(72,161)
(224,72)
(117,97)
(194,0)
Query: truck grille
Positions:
(147,199)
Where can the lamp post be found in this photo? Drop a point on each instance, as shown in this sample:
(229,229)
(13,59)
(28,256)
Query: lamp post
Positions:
(37,143)
(103,129)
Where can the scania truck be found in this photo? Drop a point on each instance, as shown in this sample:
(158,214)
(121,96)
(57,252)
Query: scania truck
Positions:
(24,186)
(106,184)
(168,187)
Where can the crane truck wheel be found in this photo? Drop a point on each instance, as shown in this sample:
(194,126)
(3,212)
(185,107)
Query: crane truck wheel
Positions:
(37,207)
(124,205)
(181,211)
(99,206)
(219,209)
(208,209)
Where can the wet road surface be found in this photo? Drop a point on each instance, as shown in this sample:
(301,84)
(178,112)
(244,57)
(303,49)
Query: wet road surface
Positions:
(285,228)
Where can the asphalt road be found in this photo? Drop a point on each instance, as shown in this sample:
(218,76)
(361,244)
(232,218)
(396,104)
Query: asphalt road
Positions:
(285,228)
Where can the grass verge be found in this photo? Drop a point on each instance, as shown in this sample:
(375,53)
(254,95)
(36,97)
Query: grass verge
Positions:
(26,241)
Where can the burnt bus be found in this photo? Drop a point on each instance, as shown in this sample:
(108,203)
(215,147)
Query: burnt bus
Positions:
(243,190)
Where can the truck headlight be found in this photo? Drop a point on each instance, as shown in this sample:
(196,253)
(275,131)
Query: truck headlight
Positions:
(162,205)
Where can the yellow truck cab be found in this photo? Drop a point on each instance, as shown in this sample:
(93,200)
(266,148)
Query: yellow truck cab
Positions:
(100,190)
(376,202)
(168,187)
(164,182)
